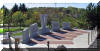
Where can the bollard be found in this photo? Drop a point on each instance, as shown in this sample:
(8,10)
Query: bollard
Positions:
(96,31)
(91,35)
(88,38)
(48,45)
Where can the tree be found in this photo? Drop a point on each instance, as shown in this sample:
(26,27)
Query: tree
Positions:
(15,8)
(98,19)
(1,16)
(7,20)
(93,15)
(98,15)
(18,18)
(5,11)
(22,8)
(5,15)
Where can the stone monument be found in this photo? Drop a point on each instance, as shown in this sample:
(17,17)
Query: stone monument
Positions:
(55,26)
(44,29)
(34,30)
(66,26)
(25,36)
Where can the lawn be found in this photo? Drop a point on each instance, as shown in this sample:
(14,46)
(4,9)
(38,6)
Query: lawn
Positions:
(17,34)
(1,30)
(11,29)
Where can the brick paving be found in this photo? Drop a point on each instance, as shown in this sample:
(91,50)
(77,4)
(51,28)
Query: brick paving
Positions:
(62,37)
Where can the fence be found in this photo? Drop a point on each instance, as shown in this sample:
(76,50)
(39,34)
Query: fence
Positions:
(92,35)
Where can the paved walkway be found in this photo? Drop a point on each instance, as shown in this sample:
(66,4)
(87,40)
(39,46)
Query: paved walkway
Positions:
(62,37)
(70,39)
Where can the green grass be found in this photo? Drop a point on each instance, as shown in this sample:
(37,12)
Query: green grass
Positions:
(1,30)
(11,30)
(17,34)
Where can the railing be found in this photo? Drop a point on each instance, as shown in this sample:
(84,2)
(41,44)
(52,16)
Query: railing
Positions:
(92,35)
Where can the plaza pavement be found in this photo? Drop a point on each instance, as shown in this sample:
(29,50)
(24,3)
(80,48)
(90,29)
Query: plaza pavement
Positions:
(70,39)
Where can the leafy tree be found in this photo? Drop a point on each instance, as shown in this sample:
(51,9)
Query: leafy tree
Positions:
(5,11)
(91,14)
(5,15)
(1,16)
(18,18)
(7,20)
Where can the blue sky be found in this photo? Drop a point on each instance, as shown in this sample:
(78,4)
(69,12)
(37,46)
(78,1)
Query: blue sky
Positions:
(48,3)
(30,5)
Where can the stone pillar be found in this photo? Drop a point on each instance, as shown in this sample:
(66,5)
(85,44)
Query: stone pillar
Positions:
(44,28)
(25,35)
(34,30)
(55,26)
(43,18)
(66,26)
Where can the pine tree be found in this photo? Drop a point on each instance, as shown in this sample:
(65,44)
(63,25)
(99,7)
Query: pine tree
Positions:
(15,8)
(22,8)
(91,15)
